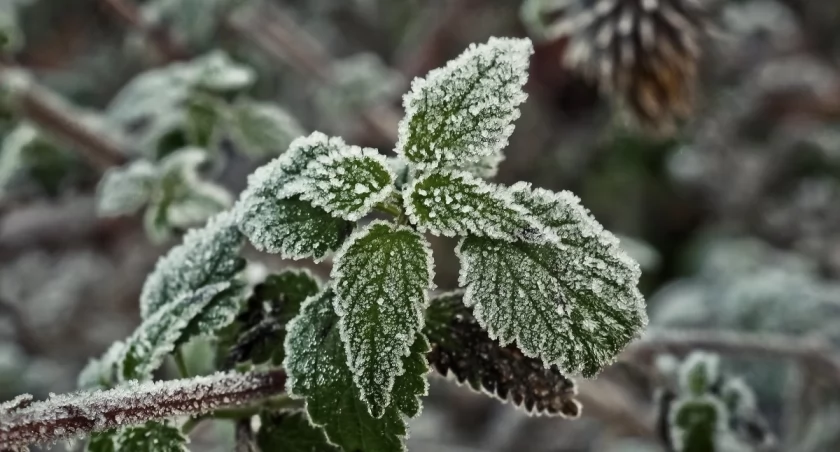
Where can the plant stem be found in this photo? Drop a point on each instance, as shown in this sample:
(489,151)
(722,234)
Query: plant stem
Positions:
(68,416)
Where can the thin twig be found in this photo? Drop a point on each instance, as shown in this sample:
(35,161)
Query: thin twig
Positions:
(160,38)
(67,416)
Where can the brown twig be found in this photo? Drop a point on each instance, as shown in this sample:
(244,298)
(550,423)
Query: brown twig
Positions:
(160,38)
(67,416)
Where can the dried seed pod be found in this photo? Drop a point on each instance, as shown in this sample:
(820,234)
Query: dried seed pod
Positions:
(643,53)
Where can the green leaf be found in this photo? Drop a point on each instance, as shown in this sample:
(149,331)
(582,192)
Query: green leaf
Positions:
(413,384)
(347,183)
(158,335)
(381,277)
(102,373)
(203,114)
(207,255)
(575,304)
(699,372)
(262,129)
(317,370)
(124,190)
(463,350)
(465,111)
(291,227)
(151,437)
(274,303)
(101,442)
(695,423)
(217,315)
(291,432)
(457,204)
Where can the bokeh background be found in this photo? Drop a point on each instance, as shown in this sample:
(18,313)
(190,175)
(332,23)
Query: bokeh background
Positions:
(735,219)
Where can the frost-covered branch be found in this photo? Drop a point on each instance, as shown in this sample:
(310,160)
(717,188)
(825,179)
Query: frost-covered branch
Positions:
(72,415)
(805,350)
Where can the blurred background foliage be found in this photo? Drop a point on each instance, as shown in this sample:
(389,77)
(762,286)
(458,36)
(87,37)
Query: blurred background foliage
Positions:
(735,218)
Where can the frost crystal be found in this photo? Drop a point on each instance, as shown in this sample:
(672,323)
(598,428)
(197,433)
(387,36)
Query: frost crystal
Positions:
(317,370)
(574,304)
(457,203)
(158,335)
(465,110)
(277,222)
(208,255)
(381,278)
(346,183)
(124,190)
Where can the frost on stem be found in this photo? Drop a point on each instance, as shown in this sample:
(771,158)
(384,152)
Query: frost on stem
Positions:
(459,204)
(275,220)
(465,111)
(463,350)
(381,277)
(74,415)
(207,255)
(317,368)
(574,304)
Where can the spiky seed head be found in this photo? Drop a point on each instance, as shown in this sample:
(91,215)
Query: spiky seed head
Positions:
(643,53)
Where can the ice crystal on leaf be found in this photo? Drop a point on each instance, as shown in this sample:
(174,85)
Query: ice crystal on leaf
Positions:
(262,128)
(458,204)
(465,111)
(151,437)
(574,304)
(157,336)
(207,255)
(124,190)
(347,183)
(381,277)
(317,370)
(275,221)
(291,432)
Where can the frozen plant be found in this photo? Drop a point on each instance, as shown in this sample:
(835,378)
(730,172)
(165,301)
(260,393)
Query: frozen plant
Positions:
(546,292)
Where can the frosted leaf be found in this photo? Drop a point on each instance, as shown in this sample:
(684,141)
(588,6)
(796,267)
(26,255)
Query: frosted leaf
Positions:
(696,423)
(272,305)
(486,167)
(151,437)
(291,432)
(262,129)
(381,277)
(347,183)
(159,333)
(574,304)
(457,204)
(101,373)
(463,350)
(293,228)
(361,81)
(276,222)
(465,110)
(220,313)
(207,255)
(699,372)
(317,370)
(101,442)
(124,190)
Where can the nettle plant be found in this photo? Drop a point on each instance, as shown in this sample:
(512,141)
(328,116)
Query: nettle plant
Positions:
(546,292)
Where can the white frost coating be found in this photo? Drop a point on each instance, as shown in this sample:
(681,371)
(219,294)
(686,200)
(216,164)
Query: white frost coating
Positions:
(705,402)
(465,110)
(207,255)
(699,372)
(157,336)
(381,276)
(347,183)
(101,372)
(573,303)
(124,190)
(455,203)
(16,403)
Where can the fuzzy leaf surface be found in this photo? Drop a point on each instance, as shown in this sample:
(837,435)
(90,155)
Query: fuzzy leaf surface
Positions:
(465,110)
(463,350)
(151,437)
(292,432)
(574,304)
(458,203)
(347,183)
(317,370)
(381,279)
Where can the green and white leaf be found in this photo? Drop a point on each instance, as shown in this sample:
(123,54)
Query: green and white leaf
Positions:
(317,371)
(207,256)
(347,183)
(125,190)
(101,442)
(465,111)
(159,333)
(151,437)
(381,278)
(574,304)
(277,222)
(262,129)
(698,424)
(459,204)
(102,373)
(291,432)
